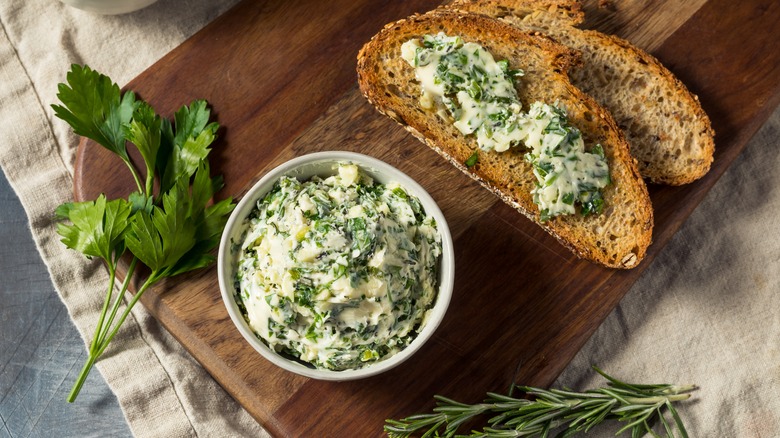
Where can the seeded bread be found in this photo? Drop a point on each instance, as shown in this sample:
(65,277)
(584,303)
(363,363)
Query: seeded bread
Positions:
(616,238)
(668,132)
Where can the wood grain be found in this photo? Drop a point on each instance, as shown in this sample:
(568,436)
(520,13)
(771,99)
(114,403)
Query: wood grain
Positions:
(646,23)
(280,77)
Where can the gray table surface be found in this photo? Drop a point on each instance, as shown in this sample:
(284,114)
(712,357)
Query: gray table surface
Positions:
(41,352)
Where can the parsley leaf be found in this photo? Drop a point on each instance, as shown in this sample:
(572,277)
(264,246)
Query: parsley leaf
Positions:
(172,233)
(145,131)
(98,227)
(208,220)
(94,108)
(140,201)
(190,143)
(178,237)
(160,238)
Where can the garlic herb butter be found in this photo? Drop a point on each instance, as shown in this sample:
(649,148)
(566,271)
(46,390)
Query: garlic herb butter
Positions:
(478,95)
(338,272)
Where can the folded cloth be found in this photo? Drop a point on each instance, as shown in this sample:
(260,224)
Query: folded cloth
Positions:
(39,39)
(706,312)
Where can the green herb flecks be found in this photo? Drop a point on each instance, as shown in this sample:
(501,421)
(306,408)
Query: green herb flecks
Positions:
(356,278)
(480,97)
(472,160)
(172,231)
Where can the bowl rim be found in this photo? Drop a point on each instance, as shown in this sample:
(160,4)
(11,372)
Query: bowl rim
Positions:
(373,167)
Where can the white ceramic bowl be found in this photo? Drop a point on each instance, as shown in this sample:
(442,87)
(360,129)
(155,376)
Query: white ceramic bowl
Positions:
(324,164)
(109,7)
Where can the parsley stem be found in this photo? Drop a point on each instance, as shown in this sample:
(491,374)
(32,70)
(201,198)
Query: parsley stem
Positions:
(135,175)
(109,293)
(74,392)
(151,280)
(118,300)
(170,235)
(103,344)
(149,182)
(98,342)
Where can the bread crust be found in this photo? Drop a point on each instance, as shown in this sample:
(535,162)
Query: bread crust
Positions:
(563,12)
(618,237)
(668,131)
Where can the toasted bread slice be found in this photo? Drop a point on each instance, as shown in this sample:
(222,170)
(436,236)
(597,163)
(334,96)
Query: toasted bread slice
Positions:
(620,235)
(668,132)
(553,12)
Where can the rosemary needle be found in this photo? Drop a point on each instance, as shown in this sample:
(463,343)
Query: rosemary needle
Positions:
(637,406)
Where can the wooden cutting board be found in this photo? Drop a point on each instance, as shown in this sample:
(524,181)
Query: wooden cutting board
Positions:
(280,77)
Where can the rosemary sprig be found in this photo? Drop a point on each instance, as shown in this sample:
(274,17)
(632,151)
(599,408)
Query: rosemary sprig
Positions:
(568,412)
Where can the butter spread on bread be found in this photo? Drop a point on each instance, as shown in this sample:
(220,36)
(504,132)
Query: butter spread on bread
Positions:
(480,98)
(668,132)
(620,235)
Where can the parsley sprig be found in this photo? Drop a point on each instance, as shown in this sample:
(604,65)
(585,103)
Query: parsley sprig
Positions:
(172,230)
(542,412)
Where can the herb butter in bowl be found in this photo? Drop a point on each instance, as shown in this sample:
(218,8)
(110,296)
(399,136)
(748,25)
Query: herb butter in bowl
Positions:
(336,266)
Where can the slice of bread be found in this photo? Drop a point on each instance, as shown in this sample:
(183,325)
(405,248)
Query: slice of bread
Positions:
(668,132)
(620,235)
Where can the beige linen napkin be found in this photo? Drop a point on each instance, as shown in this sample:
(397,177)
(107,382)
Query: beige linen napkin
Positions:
(706,312)
(39,40)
